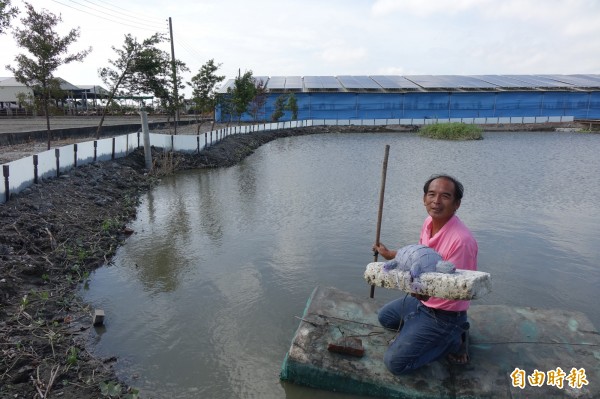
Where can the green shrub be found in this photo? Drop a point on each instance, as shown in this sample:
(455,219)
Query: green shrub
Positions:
(451,131)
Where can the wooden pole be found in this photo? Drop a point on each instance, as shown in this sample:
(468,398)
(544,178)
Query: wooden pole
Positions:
(75,155)
(380,211)
(174,68)
(146,133)
(6,173)
(57,156)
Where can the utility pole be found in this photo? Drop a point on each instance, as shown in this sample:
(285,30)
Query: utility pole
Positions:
(176,99)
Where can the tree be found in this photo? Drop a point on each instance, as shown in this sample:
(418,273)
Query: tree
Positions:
(127,68)
(292,105)
(154,74)
(146,69)
(257,104)
(285,102)
(204,85)
(48,48)
(280,104)
(225,105)
(7,12)
(242,93)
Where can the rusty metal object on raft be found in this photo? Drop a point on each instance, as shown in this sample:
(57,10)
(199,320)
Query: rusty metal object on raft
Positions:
(348,346)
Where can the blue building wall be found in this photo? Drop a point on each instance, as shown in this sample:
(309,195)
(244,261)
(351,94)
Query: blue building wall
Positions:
(338,105)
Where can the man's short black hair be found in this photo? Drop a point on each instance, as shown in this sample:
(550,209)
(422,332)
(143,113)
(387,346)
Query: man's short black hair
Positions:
(458,187)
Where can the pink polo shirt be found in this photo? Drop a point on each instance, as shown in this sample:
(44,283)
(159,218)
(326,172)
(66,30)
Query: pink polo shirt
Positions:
(455,243)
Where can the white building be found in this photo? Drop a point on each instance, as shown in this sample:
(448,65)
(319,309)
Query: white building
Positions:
(9,91)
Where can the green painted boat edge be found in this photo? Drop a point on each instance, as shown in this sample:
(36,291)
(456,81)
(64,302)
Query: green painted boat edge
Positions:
(283,374)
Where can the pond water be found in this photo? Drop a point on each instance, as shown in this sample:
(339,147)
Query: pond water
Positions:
(202,300)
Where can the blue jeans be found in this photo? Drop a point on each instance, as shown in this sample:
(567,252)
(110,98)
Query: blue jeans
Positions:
(425,335)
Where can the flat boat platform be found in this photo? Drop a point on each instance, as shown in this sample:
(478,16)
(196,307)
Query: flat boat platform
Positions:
(511,349)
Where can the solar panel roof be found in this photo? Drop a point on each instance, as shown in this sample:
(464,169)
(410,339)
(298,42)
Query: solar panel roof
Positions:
(433,81)
(471,82)
(280,83)
(450,82)
(583,81)
(386,83)
(276,83)
(330,82)
(538,81)
(293,83)
(500,82)
(548,81)
(311,82)
(589,78)
(322,82)
(358,82)
(264,79)
(394,82)
(530,81)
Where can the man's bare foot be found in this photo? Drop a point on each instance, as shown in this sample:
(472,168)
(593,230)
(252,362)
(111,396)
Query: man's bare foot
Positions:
(458,358)
(462,356)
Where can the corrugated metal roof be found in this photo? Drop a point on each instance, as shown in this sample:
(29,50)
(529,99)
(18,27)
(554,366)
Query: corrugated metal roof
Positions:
(95,89)
(64,85)
(10,81)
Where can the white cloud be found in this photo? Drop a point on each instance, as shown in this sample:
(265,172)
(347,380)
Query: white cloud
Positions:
(425,7)
(340,55)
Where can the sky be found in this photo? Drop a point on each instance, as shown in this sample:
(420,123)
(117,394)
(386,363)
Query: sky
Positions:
(336,37)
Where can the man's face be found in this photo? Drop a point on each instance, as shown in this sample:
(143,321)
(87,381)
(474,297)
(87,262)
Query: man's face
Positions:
(440,201)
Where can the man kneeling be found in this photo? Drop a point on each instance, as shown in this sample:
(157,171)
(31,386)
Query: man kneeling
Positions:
(428,327)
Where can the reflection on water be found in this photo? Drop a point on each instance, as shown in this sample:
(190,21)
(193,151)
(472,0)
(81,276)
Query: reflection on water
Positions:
(200,302)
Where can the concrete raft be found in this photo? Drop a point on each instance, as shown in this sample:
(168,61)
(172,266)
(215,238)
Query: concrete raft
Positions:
(463,284)
(503,339)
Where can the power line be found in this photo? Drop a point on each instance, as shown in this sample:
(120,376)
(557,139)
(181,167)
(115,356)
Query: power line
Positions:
(99,16)
(128,13)
(189,48)
(118,15)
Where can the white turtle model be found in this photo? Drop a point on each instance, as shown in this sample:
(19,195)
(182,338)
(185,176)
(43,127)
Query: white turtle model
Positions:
(418,259)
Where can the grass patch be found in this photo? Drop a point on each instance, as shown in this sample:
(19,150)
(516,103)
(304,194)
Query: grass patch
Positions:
(451,131)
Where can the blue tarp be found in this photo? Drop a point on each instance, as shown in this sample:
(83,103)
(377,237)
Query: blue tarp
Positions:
(432,105)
